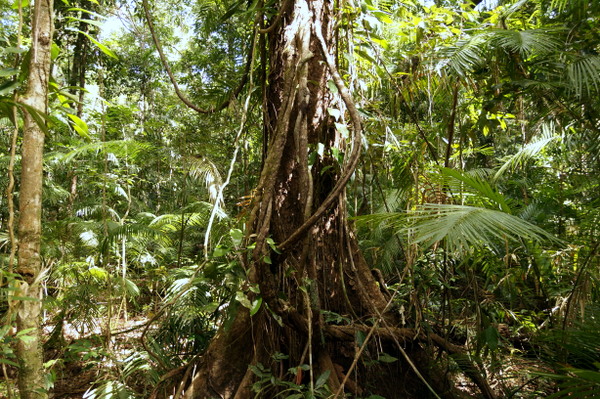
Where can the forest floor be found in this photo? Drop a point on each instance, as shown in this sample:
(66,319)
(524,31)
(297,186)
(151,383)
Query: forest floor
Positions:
(82,364)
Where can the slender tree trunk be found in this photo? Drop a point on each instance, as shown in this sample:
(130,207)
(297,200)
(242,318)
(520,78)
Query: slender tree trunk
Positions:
(29,352)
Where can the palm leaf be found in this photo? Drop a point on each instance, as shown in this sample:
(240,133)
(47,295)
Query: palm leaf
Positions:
(195,214)
(530,150)
(480,187)
(583,75)
(97,212)
(463,227)
(134,231)
(204,169)
(526,42)
(467,55)
(3,239)
(130,148)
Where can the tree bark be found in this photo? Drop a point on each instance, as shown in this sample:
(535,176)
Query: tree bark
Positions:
(29,267)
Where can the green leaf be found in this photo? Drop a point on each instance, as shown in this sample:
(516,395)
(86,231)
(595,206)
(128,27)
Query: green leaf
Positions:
(54,51)
(220,251)
(242,298)
(9,362)
(101,46)
(8,87)
(490,337)
(359,337)
(385,358)
(256,306)
(336,113)
(89,12)
(322,379)
(23,3)
(8,72)
(343,129)
(39,117)
(365,55)
(234,9)
(24,332)
(14,50)
(236,236)
(272,245)
(80,126)
(87,21)
(332,86)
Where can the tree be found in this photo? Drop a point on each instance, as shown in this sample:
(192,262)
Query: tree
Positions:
(303,263)
(29,267)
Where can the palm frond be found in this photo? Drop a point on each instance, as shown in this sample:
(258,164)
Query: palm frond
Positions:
(464,227)
(480,186)
(204,169)
(53,193)
(582,384)
(513,8)
(577,347)
(119,148)
(526,42)
(530,150)
(467,55)
(559,5)
(3,239)
(583,75)
(97,212)
(195,214)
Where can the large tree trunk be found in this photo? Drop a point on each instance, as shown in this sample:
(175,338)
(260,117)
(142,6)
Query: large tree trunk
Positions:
(29,352)
(300,205)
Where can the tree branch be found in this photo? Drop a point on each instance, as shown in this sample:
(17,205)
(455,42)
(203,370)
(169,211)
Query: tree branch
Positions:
(178,91)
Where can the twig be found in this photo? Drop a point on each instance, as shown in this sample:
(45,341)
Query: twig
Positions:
(363,346)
